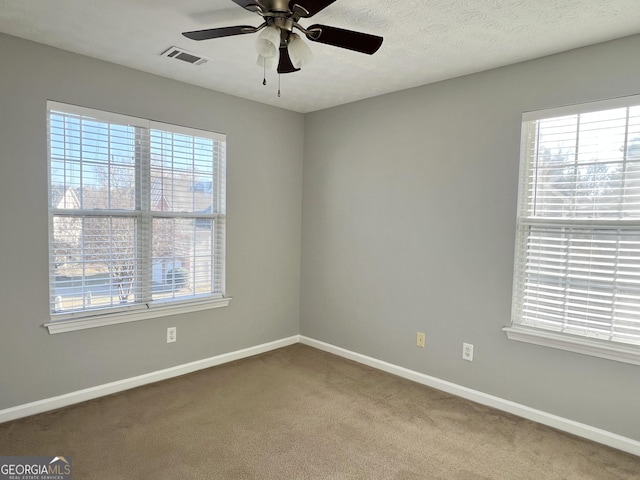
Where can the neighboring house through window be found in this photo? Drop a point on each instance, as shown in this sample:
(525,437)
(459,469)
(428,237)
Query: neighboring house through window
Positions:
(137,217)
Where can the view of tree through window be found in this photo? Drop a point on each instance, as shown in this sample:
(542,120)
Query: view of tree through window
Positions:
(588,165)
(137,211)
(578,244)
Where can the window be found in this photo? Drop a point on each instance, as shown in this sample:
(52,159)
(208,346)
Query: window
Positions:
(577,266)
(137,218)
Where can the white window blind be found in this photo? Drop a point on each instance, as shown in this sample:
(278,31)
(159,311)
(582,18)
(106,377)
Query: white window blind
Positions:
(137,213)
(577,268)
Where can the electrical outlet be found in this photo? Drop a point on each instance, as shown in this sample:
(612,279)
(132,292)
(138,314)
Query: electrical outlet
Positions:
(467,352)
(172,334)
(420,339)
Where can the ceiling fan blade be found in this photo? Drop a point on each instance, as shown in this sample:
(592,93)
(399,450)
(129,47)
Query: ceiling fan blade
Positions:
(311,6)
(219,32)
(285,65)
(338,37)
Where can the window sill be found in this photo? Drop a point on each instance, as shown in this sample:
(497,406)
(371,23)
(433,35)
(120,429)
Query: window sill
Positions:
(62,326)
(586,346)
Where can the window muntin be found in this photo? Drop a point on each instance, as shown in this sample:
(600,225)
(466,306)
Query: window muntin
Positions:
(137,212)
(578,240)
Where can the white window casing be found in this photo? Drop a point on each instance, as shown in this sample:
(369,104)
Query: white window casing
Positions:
(137,214)
(577,259)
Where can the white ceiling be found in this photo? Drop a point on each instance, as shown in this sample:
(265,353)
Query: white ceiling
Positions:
(424,40)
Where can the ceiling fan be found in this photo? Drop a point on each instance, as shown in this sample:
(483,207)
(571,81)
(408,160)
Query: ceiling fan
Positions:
(278,46)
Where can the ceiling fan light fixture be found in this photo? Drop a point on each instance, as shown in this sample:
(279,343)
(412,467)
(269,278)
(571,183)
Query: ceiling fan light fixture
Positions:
(268,42)
(299,51)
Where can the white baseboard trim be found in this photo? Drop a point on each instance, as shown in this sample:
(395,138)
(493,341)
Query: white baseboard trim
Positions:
(71,398)
(579,429)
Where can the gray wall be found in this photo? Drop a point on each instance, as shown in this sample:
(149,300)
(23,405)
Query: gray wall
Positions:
(263,229)
(409,221)
(409,209)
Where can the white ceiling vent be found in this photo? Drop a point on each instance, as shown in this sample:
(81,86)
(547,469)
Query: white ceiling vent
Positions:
(182,54)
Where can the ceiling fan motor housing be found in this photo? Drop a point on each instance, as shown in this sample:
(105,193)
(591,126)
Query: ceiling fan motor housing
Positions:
(285,24)
(274,5)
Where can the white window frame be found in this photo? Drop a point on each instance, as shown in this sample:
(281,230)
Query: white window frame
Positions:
(83,319)
(518,330)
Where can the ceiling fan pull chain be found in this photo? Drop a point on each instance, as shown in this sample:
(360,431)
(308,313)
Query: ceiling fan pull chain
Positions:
(279,85)
(264,71)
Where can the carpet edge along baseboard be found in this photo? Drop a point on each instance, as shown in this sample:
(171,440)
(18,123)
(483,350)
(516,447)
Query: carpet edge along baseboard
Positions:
(576,428)
(582,430)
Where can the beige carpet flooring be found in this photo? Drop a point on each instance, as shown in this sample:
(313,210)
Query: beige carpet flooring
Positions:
(299,413)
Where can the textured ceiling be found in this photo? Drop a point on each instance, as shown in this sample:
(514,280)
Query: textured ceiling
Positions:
(424,40)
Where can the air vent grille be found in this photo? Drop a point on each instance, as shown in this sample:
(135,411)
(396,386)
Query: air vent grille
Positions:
(181,54)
